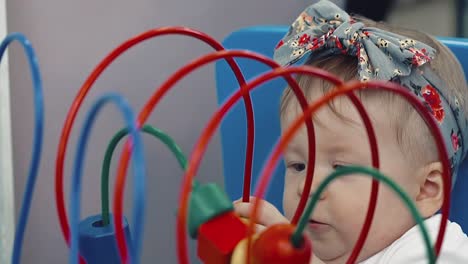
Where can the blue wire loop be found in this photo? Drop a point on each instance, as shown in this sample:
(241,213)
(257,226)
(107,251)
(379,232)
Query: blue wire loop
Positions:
(37,139)
(138,170)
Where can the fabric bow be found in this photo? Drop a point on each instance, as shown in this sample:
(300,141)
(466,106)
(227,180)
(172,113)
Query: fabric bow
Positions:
(325,28)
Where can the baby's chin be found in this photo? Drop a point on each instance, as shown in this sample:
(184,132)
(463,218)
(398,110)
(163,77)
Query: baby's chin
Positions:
(329,254)
(335,252)
(331,249)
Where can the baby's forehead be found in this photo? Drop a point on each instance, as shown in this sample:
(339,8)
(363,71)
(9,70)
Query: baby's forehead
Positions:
(342,117)
(340,109)
(333,119)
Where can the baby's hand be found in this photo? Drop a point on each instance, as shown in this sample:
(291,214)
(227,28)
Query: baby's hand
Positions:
(267,215)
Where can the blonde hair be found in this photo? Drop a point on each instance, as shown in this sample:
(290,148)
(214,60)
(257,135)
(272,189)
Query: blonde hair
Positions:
(412,133)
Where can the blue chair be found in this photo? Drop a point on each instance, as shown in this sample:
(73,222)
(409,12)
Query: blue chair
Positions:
(262,39)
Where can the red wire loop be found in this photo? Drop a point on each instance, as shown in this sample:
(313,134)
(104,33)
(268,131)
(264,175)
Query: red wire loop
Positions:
(151,104)
(209,130)
(375,184)
(214,123)
(349,87)
(120,182)
(73,111)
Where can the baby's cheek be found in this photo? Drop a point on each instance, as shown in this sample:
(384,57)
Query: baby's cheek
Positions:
(289,204)
(289,210)
(353,212)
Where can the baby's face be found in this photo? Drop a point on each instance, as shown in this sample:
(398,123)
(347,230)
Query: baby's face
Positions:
(338,217)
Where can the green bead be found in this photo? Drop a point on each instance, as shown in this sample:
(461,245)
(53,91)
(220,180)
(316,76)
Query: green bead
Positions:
(206,202)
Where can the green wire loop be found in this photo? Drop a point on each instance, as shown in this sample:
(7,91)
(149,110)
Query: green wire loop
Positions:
(346,171)
(166,139)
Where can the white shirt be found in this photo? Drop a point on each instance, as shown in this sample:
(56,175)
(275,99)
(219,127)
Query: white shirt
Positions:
(410,247)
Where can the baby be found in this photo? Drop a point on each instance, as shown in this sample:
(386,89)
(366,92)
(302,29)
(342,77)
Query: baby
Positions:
(357,48)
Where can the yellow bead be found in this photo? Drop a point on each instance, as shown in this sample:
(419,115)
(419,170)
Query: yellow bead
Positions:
(240,251)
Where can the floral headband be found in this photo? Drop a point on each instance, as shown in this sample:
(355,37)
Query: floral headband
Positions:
(323,29)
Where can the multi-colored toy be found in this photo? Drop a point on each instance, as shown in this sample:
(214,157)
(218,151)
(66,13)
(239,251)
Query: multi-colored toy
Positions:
(205,211)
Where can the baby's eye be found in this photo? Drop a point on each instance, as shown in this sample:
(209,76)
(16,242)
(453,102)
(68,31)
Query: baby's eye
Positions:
(338,166)
(298,167)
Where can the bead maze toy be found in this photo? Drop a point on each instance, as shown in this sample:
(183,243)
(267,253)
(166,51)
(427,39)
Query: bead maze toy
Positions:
(205,210)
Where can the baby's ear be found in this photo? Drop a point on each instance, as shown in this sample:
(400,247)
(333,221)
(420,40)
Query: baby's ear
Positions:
(430,197)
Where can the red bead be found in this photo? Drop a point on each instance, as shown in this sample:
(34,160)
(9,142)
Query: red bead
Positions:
(218,237)
(274,246)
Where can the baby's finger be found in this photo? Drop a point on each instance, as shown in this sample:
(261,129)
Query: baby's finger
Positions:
(258,228)
(251,200)
(242,209)
(267,214)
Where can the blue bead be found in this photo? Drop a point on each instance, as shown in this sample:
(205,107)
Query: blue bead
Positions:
(97,243)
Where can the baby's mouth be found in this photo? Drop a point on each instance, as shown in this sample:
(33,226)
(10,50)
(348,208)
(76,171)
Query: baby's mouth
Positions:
(312,221)
(318,226)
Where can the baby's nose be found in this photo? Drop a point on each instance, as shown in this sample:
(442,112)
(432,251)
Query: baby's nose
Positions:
(313,187)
